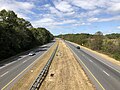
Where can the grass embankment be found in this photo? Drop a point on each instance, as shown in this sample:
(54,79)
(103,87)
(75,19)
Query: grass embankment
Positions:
(25,82)
(65,73)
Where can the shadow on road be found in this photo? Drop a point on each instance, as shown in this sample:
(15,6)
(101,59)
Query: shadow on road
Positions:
(22,55)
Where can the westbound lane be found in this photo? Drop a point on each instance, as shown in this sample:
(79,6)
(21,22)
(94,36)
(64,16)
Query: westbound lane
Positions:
(102,76)
(11,70)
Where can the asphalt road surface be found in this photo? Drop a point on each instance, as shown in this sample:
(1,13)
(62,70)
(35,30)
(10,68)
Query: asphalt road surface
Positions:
(102,73)
(8,71)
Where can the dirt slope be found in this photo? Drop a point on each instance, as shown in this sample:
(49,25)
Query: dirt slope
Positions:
(65,73)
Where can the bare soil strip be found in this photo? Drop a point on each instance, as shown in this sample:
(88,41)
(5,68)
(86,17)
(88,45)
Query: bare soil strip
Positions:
(26,81)
(102,55)
(65,73)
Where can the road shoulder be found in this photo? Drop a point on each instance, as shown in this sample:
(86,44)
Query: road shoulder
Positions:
(112,60)
(26,81)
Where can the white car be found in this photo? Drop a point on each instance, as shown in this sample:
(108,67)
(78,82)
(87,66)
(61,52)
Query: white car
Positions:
(31,53)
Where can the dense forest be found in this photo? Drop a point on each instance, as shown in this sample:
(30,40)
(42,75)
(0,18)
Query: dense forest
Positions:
(108,44)
(18,35)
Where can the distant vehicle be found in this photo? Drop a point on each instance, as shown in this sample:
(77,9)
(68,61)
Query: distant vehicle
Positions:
(78,47)
(31,53)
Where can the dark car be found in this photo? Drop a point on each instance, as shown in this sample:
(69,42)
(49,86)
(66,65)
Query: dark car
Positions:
(31,53)
(78,47)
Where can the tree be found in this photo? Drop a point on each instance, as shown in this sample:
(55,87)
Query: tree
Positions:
(96,41)
(98,33)
(17,35)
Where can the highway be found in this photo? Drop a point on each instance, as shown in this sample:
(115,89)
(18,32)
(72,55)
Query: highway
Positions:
(8,71)
(102,73)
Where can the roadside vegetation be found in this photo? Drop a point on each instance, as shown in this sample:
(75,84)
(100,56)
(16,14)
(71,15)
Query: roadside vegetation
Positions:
(108,44)
(18,35)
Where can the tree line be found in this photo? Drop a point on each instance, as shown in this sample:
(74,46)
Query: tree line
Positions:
(18,35)
(108,44)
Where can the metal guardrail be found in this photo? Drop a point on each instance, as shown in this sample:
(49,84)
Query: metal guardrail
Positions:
(36,85)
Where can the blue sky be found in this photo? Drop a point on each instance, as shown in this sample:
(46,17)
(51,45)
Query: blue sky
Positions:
(68,16)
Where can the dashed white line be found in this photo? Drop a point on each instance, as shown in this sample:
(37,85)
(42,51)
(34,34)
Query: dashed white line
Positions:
(106,73)
(7,64)
(90,60)
(24,61)
(4,74)
(10,63)
(110,67)
(83,54)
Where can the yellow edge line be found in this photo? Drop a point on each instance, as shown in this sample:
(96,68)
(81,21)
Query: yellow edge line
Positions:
(88,69)
(26,68)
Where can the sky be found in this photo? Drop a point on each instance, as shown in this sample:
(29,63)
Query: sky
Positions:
(68,16)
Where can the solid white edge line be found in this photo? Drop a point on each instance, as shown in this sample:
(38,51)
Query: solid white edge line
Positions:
(104,63)
(87,69)
(3,88)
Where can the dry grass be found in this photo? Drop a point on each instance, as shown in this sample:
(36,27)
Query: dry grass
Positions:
(26,81)
(65,73)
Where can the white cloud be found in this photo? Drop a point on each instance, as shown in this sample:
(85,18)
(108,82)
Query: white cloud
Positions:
(22,9)
(90,13)
(61,13)
(81,24)
(68,22)
(48,22)
(55,11)
(92,19)
(114,8)
(21,15)
(84,4)
(115,18)
(118,27)
(63,6)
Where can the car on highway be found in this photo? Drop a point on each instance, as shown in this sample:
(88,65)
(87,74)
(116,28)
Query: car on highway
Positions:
(78,47)
(32,53)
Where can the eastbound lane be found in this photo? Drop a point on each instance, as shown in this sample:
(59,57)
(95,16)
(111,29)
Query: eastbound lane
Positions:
(102,75)
(11,70)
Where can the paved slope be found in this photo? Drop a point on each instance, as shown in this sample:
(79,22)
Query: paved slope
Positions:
(11,70)
(103,76)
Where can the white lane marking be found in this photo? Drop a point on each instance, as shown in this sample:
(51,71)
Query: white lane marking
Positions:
(7,64)
(87,69)
(103,62)
(24,61)
(4,74)
(2,67)
(110,67)
(21,63)
(23,56)
(28,66)
(90,60)
(83,54)
(10,63)
(106,73)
